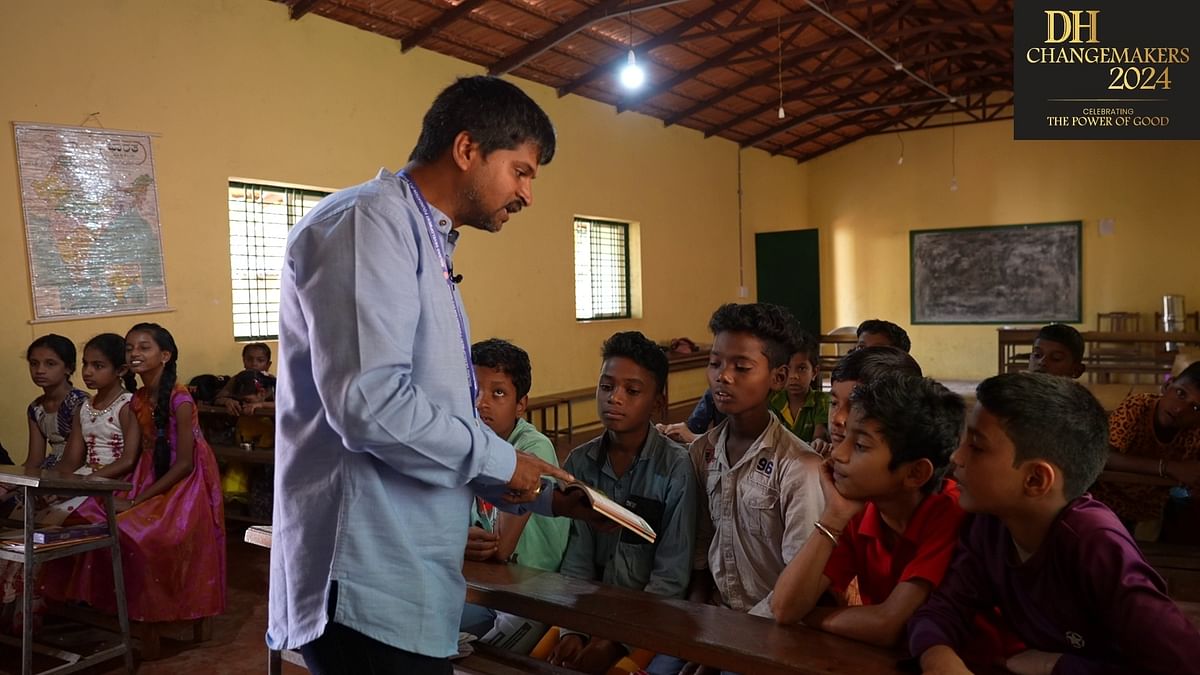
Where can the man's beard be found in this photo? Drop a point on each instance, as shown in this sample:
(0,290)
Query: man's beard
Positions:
(476,215)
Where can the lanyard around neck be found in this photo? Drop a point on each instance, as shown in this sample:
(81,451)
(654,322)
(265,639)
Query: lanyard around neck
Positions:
(435,237)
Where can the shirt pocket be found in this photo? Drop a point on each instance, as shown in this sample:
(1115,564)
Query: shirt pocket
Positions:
(761,515)
(632,564)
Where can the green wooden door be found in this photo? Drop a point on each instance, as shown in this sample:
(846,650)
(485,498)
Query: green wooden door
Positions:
(789,274)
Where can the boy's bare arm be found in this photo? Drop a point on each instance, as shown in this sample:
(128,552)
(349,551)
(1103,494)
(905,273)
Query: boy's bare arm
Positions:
(881,624)
(942,660)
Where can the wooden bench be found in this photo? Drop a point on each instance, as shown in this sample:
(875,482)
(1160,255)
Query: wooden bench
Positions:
(1152,358)
(715,636)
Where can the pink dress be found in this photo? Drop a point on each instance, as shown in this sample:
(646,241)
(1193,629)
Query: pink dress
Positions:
(172,546)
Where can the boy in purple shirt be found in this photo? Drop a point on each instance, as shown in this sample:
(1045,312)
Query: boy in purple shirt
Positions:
(1063,572)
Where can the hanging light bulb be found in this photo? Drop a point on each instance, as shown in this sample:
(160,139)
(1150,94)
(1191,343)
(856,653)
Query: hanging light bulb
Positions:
(779,40)
(900,159)
(632,75)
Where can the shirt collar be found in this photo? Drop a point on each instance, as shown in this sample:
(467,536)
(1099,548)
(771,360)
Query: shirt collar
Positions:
(872,522)
(766,441)
(441,221)
(600,450)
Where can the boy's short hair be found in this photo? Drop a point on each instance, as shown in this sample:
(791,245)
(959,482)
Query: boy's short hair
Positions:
(919,417)
(507,358)
(808,345)
(1051,418)
(496,113)
(869,363)
(642,351)
(256,345)
(1064,335)
(895,334)
(772,324)
(1191,374)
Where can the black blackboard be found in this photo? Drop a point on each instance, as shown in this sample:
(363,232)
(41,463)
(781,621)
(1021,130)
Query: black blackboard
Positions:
(1001,274)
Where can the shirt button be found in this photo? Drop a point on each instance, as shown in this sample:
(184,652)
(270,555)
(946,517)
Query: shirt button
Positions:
(442,222)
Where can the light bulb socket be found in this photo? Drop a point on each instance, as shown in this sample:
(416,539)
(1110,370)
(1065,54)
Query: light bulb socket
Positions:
(632,59)
(782,114)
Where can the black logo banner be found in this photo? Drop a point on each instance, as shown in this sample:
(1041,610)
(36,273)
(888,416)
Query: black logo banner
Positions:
(1106,69)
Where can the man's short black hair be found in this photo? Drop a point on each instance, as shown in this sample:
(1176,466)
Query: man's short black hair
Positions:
(496,114)
(641,350)
(1051,418)
(1066,336)
(897,336)
(870,363)
(919,418)
(772,324)
(507,358)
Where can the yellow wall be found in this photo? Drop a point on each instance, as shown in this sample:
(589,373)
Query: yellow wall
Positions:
(865,205)
(236,89)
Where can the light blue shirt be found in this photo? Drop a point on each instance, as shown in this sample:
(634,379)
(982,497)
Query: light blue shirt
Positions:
(377,446)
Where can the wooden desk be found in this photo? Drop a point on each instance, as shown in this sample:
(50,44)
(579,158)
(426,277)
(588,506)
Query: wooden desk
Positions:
(33,483)
(715,636)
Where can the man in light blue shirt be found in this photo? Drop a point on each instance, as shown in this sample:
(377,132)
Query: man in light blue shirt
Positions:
(378,447)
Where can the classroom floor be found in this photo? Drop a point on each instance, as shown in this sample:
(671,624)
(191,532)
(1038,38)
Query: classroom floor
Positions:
(237,647)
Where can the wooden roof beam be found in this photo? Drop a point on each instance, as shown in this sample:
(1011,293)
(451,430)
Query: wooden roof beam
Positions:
(301,8)
(589,16)
(439,22)
(670,36)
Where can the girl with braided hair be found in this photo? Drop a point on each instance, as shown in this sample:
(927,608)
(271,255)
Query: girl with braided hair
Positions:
(172,522)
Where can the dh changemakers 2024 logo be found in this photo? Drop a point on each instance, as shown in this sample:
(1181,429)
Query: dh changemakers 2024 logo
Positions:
(1106,69)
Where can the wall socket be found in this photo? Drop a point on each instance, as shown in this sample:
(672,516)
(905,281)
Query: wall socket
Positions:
(1108,227)
(743,292)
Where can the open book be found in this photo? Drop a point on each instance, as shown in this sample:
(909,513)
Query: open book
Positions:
(613,511)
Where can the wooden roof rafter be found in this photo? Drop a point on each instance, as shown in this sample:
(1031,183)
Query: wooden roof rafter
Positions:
(846,67)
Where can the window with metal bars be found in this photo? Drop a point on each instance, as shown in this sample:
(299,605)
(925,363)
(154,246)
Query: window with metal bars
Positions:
(601,269)
(260,217)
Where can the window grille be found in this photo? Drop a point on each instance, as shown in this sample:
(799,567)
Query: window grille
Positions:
(260,217)
(601,269)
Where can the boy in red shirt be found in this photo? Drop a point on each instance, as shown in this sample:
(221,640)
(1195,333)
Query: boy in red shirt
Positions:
(890,518)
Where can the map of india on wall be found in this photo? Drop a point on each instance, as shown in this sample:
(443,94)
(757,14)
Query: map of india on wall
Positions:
(91,221)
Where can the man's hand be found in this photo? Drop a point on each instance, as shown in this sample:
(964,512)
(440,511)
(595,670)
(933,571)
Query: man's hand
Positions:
(677,432)
(232,406)
(526,482)
(568,647)
(481,544)
(573,504)
(838,509)
(693,668)
(1032,662)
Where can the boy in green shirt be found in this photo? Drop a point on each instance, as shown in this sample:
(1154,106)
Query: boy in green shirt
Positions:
(803,409)
(505,376)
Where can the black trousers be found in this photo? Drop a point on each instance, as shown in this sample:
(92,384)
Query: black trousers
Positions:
(344,651)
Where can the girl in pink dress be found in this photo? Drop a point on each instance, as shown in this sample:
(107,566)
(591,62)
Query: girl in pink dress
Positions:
(172,521)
